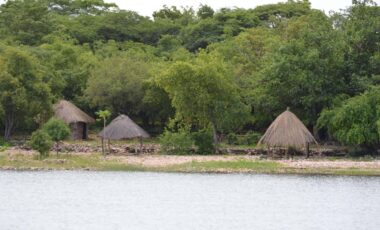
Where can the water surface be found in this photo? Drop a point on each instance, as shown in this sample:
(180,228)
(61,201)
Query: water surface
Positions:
(119,200)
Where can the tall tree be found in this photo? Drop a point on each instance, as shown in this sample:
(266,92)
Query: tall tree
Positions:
(22,91)
(119,88)
(305,72)
(355,121)
(26,22)
(203,93)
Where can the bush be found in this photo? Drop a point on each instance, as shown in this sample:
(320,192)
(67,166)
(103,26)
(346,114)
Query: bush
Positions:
(251,138)
(204,141)
(4,145)
(41,142)
(176,143)
(232,139)
(57,129)
(362,151)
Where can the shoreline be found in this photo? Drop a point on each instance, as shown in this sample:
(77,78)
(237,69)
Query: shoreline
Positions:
(225,164)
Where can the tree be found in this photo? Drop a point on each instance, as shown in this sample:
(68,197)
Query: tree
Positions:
(103,115)
(80,7)
(361,34)
(203,93)
(304,72)
(355,121)
(201,34)
(119,88)
(41,142)
(205,11)
(272,15)
(25,21)
(68,67)
(57,130)
(22,90)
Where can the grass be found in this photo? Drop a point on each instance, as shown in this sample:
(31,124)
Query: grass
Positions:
(229,166)
(100,163)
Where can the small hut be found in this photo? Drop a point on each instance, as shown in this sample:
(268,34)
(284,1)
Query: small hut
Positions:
(287,131)
(121,128)
(74,117)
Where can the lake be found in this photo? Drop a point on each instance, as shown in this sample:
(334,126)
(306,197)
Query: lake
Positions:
(124,200)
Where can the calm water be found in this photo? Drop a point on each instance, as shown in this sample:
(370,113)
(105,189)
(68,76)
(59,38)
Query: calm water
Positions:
(98,200)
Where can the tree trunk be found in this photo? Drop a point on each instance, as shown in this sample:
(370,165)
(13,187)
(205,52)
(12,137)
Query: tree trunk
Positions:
(109,146)
(141,144)
(215,138)
(104,126)
(9,121)
(103,146)
(315,132)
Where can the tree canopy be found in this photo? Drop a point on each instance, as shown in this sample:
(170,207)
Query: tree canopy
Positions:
(230,69)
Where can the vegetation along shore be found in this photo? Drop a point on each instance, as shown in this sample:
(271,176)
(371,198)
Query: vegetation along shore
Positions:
(16,159)
(258,90)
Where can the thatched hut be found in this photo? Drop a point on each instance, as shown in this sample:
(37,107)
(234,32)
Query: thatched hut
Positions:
(287,131)
(123,127)
(74,117)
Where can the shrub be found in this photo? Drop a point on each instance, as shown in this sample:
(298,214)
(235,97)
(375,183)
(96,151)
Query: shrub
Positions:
(232,139)
(355,121)
(204,141)
(41,142)
(251,138)
(176,142)
(57,130)
(4,145)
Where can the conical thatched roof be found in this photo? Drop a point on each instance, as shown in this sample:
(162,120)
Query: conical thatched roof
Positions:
(69,113)
(123,127)
(287,130)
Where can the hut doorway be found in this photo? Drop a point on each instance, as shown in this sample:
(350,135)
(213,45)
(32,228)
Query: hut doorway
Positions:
(85,131)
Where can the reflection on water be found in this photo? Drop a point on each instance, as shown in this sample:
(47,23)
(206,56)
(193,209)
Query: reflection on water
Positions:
(98,200)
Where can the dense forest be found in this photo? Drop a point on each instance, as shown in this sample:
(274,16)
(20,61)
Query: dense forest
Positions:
(226,70)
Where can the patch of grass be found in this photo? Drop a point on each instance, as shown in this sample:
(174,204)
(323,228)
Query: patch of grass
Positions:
(100,163)
(226,166)
(241,164)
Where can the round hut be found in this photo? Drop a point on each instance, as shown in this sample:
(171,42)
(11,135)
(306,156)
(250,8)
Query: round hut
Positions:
(74,117)
(287,131)
(122,127)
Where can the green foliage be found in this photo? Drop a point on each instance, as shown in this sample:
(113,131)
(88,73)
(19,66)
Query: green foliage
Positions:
(23,93)
(228,69)
(103,114)
(119,88)
(232,139)
(204,141)
(27,22)
(205,11)
(57,129)
(356,121)
(251,138)
(204,93)
(179,142)
(41,142)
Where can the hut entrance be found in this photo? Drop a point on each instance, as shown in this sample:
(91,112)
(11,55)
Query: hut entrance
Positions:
(85,131)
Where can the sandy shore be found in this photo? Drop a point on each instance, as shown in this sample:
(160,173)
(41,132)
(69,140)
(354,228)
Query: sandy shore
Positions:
(170,160)
(167,160)
(28,160)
